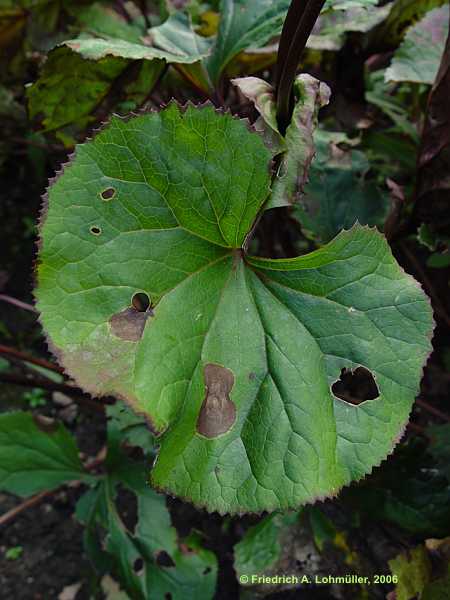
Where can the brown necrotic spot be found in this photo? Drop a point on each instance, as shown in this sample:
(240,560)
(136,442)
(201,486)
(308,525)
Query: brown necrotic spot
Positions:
(95,230)
(129,323)
(108,194)
(218,412)
(355,386)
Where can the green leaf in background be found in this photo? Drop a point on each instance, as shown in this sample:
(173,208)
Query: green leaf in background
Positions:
(418,57)
(244,24)
(347,4)
(70,88)
(408,491)
(437,589)
(337,194)
(103,21)
(177,36)
(403,14)
(297,146)
(149,561)
(330,31)
(260,549)
(97,48)
(36,455)
(413,571)
(233,359)
(80,73)
(248,24)
(382,95)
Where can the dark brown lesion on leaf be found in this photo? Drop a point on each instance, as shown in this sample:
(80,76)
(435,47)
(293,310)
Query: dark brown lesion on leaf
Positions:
(108,194)
(129,324)
(218,412)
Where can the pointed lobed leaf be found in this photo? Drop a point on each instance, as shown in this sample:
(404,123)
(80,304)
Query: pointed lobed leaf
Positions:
(233,363)
(34,456)
(418,57)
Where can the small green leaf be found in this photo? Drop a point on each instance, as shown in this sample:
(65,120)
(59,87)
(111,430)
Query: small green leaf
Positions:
(439,261)
(419,55)
(413,571)
(13,553)
(232,358)
(151,561)
(261,547)
(131,427)
(34,456)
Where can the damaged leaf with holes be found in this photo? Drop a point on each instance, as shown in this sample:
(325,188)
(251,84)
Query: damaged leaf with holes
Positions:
(231,358)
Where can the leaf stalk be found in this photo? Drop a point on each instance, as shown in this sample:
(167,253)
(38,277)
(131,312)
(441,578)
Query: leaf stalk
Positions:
(300,20)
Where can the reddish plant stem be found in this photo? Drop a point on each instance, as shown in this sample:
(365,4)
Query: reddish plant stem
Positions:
(38,498)
(28,503)
(432,410)
(18,303)
(9,351)
(76,393)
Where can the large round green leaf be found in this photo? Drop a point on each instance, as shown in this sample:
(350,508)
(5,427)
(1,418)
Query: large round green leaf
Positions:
(234,360)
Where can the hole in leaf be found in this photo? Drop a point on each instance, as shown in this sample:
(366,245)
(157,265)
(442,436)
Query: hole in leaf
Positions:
(140,302)
(164,560)
(355,386)
(108,193)
(138,565)
(95,230)
(207,570)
